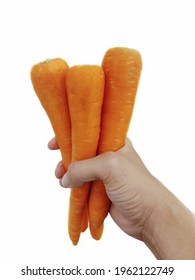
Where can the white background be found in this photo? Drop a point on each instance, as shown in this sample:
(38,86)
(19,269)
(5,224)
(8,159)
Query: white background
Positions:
(33,208)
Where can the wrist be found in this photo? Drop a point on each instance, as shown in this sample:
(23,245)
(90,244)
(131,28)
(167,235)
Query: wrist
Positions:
(169,231)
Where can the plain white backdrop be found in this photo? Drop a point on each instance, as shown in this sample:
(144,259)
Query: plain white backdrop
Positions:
(33,208)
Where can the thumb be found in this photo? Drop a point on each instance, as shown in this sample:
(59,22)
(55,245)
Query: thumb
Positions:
(83,171)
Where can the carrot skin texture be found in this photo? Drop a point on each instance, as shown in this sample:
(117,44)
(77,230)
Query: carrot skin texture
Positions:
(85,218)
(49,83)
(122,68)
(85,90)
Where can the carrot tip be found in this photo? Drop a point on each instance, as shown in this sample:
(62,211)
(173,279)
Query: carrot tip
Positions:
(97,232)
(83,229)
(74,240)
(74,243)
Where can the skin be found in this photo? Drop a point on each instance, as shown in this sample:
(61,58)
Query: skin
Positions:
(141,205)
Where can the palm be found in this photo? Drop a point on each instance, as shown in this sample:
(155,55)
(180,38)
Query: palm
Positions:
(130,227)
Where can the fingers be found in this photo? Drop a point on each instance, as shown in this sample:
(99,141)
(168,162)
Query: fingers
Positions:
(101,167)
(52,144)
(77,174)
(85,171)
(60,170)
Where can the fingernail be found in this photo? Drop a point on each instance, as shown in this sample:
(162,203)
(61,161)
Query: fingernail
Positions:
(65,181)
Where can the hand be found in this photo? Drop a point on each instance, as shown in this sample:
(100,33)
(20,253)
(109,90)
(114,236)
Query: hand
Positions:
(59,171)
(141,205)
(128,183)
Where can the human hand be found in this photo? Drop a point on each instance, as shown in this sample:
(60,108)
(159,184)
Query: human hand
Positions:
(141,205)
(128,183)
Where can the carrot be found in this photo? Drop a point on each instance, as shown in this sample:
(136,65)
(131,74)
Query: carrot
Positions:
(122,68)
(85,89)
(85,218)
(48,79)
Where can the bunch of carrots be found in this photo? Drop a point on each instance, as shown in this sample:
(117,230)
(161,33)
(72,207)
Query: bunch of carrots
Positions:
(90,109)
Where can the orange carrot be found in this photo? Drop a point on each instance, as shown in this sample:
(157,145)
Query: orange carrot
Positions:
(48,79)
(85,218)
(122,68)
(85,89)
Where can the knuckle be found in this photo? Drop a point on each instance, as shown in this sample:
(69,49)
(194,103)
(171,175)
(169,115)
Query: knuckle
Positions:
(111,167)
(112,160)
